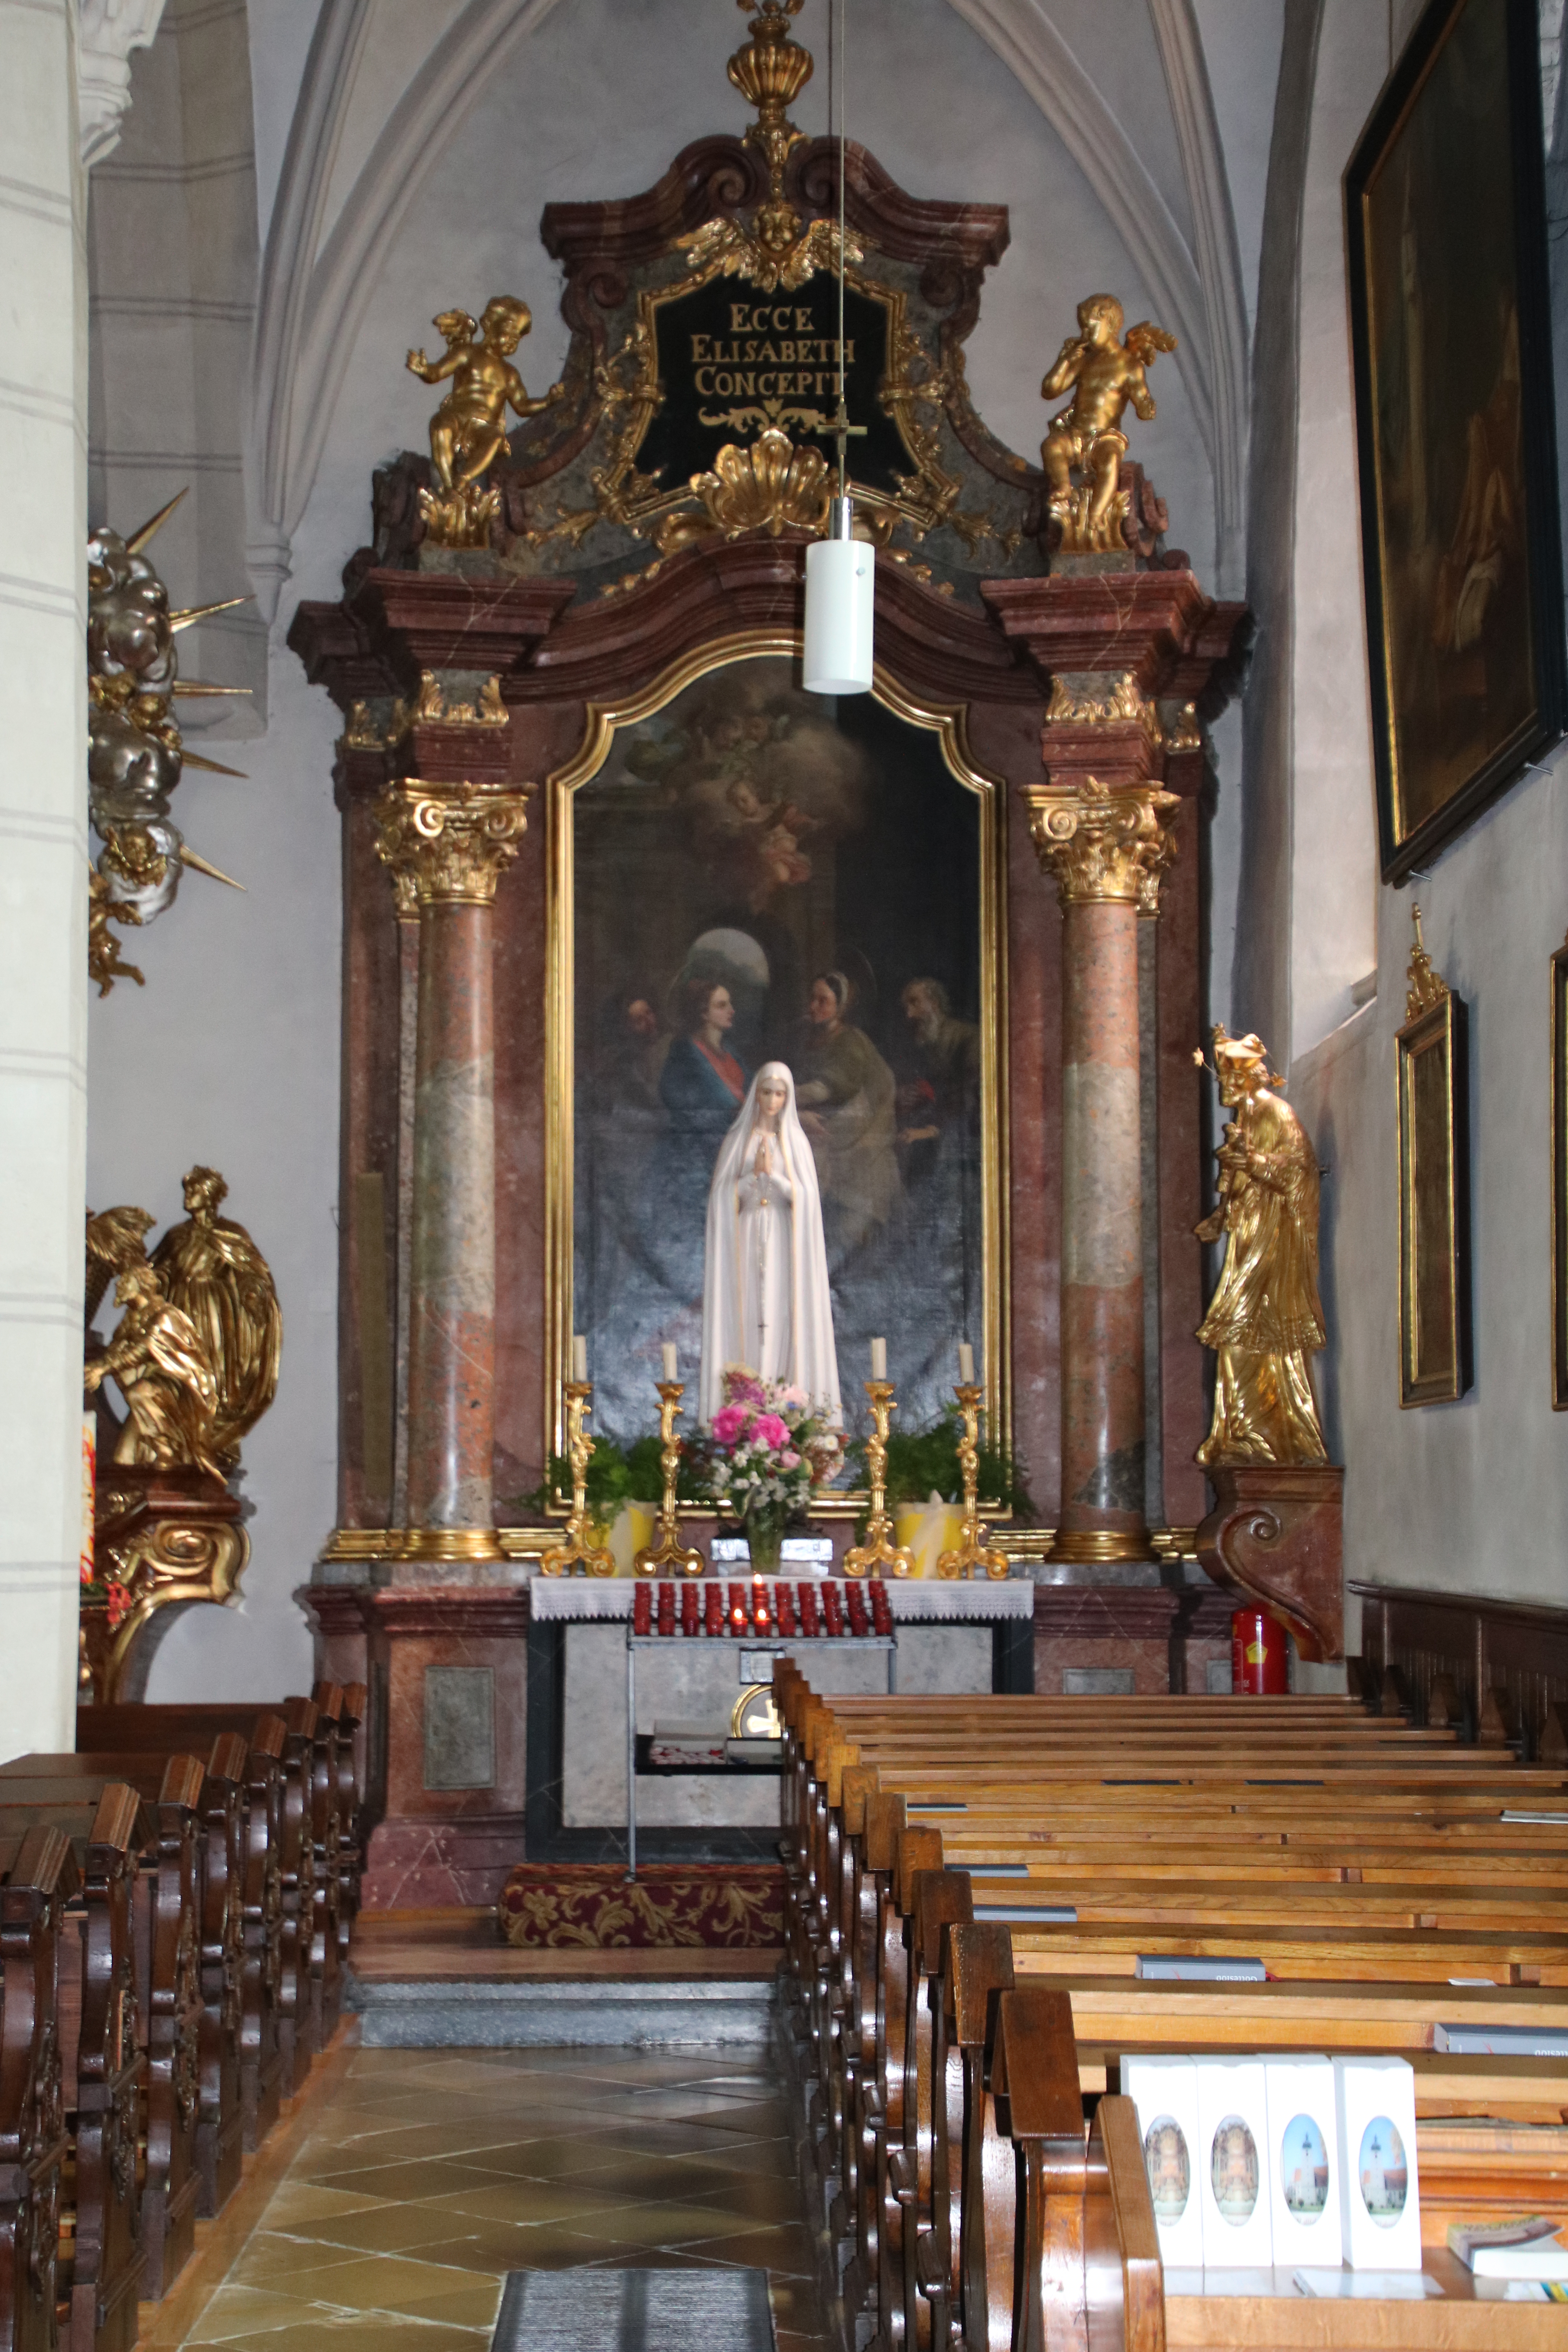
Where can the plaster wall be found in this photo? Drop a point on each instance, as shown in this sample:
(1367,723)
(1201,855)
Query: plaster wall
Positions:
(1471,1496)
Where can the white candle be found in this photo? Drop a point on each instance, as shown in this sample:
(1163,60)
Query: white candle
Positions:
(579,1356)
(966,1364)
(879,1360)
(669,1360)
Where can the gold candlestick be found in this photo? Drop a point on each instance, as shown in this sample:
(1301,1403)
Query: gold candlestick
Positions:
(972,1555)
(878,1556)
(575,1552)
(669,1552)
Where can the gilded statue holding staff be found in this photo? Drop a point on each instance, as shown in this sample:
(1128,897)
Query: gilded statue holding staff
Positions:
(1104,371)
(1266,1318)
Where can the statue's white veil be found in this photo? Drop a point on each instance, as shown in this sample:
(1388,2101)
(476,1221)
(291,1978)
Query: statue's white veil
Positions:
(814,1361)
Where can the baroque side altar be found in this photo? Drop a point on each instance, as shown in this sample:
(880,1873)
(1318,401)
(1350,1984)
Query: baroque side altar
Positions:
(605,862)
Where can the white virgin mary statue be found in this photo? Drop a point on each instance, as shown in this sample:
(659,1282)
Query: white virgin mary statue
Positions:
(765,1301)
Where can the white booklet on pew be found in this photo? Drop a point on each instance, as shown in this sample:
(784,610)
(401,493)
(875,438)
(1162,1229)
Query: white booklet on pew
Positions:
(1534,2248)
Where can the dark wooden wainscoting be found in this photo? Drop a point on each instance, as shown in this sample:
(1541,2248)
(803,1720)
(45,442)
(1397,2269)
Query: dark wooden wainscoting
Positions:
(1517,1650)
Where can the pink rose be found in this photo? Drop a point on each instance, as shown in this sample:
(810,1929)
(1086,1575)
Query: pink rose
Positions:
(797,1398)
(790,1461)
(728,1423)
(770,1430)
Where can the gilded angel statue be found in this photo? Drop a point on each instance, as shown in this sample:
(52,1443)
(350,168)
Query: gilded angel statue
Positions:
(469,429)
(1105,371)
(1266,1318)
(212,1272)
(165,1376)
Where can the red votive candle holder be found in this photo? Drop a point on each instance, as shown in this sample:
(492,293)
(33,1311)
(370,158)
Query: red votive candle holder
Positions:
(808,1611)
(642,1609)
(833,1609)
(738,1608)
(762,1615)
(666,1606)
(881,1607)
(689,1611)
(783,1609)
(712,1610)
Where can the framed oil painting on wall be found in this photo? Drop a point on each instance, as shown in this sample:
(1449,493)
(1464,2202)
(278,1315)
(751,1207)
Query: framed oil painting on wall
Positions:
(1445,215)
(1434,1366)
(744,873)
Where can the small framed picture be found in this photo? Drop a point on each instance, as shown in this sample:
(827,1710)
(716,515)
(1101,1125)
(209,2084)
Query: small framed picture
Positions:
(1559,1180)
(1434,1196)
(1445,227)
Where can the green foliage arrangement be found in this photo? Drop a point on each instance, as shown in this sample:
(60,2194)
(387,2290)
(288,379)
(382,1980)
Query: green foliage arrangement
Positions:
(616,1475)
(923,1461)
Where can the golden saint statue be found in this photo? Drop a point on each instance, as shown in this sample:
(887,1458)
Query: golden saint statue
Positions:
(1266,1318)
(212,1272)
(1105,372)
(165,1376)
(467,431)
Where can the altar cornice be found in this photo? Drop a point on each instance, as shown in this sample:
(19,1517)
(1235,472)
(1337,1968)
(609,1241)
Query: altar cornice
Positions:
(544,646)
(1161,627)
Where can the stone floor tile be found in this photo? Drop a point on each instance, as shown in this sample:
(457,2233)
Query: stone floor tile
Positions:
(522,2200)
(656,2224)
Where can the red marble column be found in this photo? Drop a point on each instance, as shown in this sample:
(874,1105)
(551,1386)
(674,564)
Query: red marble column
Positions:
(1106,850)
(447,845)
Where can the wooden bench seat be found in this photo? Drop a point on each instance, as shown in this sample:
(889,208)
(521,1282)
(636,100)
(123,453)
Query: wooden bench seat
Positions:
(1365,1866)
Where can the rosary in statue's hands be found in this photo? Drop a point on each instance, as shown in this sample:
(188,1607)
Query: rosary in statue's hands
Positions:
(763,1165)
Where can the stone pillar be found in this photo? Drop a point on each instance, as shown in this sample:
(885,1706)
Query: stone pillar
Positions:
(43,875)
(1106,850)
(447,845)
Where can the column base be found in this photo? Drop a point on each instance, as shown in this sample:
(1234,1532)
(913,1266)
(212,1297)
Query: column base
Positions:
(1276,1536)
(1100,1546)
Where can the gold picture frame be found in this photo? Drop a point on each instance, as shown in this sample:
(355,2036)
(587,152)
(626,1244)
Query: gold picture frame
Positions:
(1559,1180)
(603,720)
(1435,1360)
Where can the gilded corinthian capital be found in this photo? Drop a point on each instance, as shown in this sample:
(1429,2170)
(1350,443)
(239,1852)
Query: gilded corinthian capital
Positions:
(1103,847)
(448,842)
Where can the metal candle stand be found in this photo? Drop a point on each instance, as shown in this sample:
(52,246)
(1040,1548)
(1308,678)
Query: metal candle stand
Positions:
(668,1554)
(574,1553)
(878,1556)
(971,1557)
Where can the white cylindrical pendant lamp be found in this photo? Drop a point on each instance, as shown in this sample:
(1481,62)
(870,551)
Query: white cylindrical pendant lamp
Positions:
(840,596)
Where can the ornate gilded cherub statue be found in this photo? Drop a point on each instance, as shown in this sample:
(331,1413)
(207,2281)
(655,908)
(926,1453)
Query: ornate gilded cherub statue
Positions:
(1106,372)
(1266,1318)
(165,1375)
(211,1270)
(467,431)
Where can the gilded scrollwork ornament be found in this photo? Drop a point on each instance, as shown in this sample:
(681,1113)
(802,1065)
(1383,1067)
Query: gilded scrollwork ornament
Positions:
(1102,846)
(448,842)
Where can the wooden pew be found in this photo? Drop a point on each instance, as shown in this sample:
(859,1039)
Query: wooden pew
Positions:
(38,1878)
(1047,1780)
(103,2061)
(295,2006)
(220,1868)
(166,1918)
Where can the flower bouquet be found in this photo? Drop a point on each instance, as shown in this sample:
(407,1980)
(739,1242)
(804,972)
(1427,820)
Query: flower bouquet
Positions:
(767,1452)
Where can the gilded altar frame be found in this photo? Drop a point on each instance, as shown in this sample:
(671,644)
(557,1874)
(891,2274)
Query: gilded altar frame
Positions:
(1435,1361)
(948,722)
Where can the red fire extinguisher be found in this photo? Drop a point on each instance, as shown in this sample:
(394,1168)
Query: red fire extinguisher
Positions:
(1259,1665)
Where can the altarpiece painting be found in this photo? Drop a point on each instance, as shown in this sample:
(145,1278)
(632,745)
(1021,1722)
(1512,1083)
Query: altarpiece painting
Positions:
(747,873)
